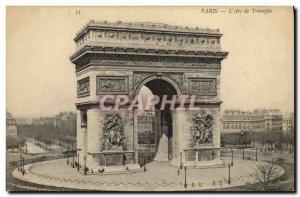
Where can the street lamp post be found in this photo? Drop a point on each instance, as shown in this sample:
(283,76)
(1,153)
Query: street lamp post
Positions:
(256,153)
(77,161)
(181,161)
(68,154)
(229,181)
(20,163)
(73,162)
(231,157)
(144,165)
(243,152)
(185,184)
(68,135)
(149,151)
(23,163)
(84,169)
(50,144)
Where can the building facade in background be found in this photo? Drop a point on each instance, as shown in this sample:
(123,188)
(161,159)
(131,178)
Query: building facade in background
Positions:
(145,123)
(146,133)
(11,125)
(235,121)
(288,124)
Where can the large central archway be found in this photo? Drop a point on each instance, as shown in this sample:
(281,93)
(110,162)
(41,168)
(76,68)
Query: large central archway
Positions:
(162,120)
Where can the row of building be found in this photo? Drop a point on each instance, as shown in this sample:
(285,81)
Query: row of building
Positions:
(237,121)
(258,120)
(146,128)
(233,121)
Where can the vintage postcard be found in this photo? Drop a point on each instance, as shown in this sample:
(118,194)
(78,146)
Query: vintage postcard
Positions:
(150,99)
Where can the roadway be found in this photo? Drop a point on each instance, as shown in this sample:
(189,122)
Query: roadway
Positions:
(16,185)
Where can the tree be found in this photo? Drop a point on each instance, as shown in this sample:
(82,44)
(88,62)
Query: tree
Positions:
(14,142)
(266,173)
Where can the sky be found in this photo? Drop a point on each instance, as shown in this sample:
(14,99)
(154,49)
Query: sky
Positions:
(40,80)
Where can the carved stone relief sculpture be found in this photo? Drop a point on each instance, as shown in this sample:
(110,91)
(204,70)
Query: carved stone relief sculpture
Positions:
(83,87)
(203,129)
(112,84)
(203,87)
(113,132)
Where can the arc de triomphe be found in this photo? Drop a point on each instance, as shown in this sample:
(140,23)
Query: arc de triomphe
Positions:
(119,58)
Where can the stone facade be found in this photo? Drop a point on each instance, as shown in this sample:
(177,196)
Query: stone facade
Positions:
(119,58)
(145,123)
(11,125)
(235,121)
(288,123)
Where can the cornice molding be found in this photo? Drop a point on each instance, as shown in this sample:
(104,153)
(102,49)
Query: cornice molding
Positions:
(146,52)
(96,104)
(145,27)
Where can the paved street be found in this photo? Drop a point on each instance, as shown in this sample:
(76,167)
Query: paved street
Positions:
(15,185)
(147,177)
(284,159)
(159,176)
(264,156)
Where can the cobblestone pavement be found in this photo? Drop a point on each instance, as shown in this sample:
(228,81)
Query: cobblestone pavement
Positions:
(159,176)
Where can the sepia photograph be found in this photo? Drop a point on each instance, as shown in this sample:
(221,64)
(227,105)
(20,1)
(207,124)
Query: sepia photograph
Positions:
(150,99)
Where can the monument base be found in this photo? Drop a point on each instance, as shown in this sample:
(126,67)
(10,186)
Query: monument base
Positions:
(200,164)
(128,168)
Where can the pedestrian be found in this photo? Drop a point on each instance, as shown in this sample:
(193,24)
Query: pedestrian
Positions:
(178,172)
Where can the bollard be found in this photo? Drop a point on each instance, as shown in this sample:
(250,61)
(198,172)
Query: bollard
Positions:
(200,184)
